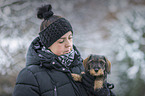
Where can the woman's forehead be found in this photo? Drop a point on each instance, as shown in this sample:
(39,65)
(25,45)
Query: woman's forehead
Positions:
(66,35)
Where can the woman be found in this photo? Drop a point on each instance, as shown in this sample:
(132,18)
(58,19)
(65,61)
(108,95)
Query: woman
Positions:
(51,58)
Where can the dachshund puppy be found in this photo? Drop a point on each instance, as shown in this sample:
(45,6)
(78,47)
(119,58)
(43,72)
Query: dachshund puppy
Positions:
(98,66)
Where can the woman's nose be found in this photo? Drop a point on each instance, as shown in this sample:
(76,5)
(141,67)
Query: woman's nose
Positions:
(68,43)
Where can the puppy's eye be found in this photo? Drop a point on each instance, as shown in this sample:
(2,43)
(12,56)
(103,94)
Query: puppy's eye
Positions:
(102,62)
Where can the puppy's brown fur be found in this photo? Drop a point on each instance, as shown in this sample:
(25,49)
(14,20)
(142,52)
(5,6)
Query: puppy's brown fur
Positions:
(98,66)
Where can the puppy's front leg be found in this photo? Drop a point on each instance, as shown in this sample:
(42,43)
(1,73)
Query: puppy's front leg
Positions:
(77,77)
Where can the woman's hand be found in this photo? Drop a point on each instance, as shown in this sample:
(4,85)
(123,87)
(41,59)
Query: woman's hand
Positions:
(88,82)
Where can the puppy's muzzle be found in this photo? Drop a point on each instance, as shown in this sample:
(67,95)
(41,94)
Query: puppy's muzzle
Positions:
(99,72)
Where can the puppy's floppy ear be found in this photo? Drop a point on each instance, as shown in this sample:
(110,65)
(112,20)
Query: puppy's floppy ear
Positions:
(108,65)
(85,62)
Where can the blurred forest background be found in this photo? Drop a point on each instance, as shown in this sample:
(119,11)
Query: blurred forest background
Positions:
(114,28)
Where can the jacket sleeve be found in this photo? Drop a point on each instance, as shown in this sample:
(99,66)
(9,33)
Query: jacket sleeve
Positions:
(26,84)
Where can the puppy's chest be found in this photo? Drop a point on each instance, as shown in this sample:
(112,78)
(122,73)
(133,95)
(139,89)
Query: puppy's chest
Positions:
(98,83)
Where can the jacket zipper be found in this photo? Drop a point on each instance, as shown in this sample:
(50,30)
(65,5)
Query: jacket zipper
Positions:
(55,93)
(53,82)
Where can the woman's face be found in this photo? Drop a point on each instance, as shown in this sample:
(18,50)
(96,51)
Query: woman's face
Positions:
(63,45)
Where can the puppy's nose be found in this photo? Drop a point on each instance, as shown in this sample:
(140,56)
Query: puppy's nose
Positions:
(97,69)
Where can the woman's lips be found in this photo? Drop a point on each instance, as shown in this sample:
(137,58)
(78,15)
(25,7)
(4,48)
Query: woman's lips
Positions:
(67,51)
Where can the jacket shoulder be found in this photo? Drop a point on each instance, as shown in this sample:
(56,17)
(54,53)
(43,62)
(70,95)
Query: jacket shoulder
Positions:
(26,84)
(35,68)
(27,77)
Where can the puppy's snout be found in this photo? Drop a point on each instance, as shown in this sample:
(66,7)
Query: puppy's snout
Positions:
(97,69)
(100,72)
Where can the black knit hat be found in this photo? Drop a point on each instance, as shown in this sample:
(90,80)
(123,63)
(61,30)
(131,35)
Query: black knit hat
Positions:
(54,27)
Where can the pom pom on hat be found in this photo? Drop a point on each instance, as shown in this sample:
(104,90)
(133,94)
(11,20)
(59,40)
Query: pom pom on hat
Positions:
(44,12)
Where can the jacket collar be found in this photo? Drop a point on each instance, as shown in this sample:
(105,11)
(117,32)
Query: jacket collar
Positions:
(50,61)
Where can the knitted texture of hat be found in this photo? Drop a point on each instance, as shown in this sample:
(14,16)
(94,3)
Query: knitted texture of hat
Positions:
(54,31)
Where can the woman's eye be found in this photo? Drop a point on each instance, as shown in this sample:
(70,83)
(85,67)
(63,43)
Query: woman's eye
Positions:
(61,41)
(70,37)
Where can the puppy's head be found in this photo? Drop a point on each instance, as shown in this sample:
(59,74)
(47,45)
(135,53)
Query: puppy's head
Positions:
(97,65)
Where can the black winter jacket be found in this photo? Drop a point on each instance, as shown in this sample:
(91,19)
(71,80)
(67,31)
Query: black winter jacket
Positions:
(48,77)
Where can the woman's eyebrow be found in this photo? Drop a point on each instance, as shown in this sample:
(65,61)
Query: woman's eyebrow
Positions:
(65,37)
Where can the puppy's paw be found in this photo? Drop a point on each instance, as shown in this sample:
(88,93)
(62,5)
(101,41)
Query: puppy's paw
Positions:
(76,77)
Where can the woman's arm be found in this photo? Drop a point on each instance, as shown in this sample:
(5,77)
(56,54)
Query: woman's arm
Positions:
(26,84)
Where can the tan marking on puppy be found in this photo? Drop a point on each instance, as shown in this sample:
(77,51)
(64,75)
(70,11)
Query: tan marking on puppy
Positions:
(93,73)
(76,77)
(108,65)
(100,72)
(98,84)
(85,61)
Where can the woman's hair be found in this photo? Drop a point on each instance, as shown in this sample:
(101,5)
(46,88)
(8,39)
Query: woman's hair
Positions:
(45,12)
